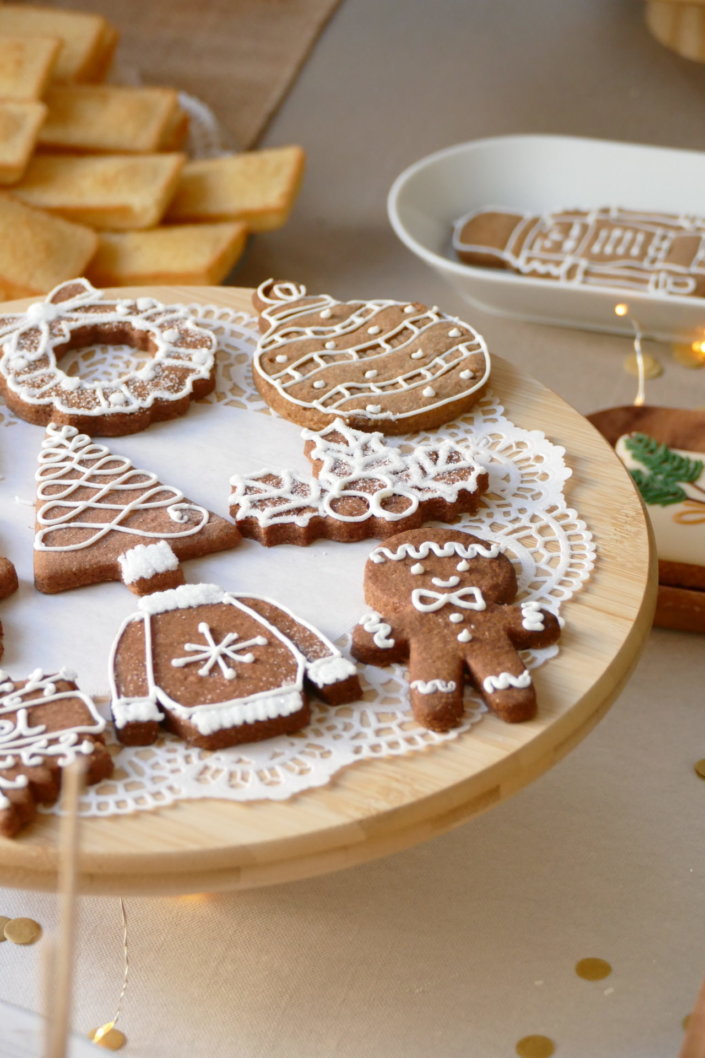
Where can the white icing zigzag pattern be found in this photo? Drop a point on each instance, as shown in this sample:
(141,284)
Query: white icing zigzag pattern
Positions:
(75,476)
(361,478)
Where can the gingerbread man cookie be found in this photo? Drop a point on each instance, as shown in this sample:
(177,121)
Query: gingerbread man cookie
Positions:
(45,724)
(444,599)
(219,669)
(181,367)
(377,365)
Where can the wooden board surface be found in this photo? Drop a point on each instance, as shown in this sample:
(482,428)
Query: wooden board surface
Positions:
(378,807)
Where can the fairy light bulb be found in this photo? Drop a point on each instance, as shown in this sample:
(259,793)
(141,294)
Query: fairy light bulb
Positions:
(621,309)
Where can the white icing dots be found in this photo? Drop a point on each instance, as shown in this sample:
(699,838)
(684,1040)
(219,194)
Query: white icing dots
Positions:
(329,345)
(117,399)
(374,330)
(408,309)
(326,314)
(374,409)
(456,618)
(429,391)
(417,568)
(417,354)
(455,332)
(464,636)
(281,358)
(463,566)
(319,383)
(372,373)
(467,374)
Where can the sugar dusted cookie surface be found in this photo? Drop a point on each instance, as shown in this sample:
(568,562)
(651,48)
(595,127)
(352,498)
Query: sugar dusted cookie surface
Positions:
(94,507)
(377,365)
(444,600)
(363,487)
(181,367)
(219,669)
(46,723)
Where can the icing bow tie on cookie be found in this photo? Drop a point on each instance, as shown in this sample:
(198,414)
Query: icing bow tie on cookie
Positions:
(427,601)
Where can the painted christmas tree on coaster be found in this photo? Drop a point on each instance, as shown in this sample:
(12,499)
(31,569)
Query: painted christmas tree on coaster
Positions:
(96,512)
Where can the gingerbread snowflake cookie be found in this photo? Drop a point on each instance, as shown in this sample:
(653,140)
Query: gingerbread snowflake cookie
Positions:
(362,487)
(45,724)
(180,368)
(443,599)
(377,365)
(94,507)
(219,669)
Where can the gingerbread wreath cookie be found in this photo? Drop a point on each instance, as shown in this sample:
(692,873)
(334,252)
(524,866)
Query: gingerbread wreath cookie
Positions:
(608,247)
(362,487)
(219,669)
(377,365)
(181,367)
(664,451)
(443,599)
(45,724)
(95,507)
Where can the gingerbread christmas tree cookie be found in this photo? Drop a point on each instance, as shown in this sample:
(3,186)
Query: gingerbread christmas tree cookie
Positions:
(377,365)
(93,506)
(45,724)
(444,600)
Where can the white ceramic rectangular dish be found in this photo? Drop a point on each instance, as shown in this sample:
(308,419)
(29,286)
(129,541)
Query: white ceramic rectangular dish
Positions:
(540,173)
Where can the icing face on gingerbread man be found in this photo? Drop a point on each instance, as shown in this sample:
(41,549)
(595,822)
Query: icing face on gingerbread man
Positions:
(444,600)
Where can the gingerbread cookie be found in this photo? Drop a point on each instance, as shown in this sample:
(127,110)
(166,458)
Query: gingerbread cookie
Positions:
(219,669)
(664,451)
(444,599)
(93,506)
(377,365)
(362,487)
(606,247)
(45,724)
(181,367)
(8,578)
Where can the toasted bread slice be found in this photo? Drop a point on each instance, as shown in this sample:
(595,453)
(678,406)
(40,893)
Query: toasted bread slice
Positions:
(26,64)
(88,40)
(111,191)
(108,119)
(38,251)
(257,187)
(195,254)
(19,127)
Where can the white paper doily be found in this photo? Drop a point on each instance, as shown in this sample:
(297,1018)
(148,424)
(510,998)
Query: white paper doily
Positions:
(524,509)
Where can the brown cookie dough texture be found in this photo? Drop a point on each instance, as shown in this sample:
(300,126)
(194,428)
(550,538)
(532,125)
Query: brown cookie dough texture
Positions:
(181,366)
(377,365)
(443,599)
(47,723)
(607,246)
(219,669)
(678,514)
(100,518)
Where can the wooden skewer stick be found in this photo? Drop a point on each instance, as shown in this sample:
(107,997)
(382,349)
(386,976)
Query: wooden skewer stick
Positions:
(59,1012)
(694,1042)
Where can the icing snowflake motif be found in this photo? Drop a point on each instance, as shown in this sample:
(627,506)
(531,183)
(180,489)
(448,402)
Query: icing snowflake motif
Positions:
(215,653)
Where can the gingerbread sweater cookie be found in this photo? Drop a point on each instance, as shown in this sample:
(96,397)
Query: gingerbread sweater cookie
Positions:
(45,724)
(94,506)
(444,599)
(363,487)
(181,367)
(377,365)
(219,669)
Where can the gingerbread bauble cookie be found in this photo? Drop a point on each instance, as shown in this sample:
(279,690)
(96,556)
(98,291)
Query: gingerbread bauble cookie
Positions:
(443,599)
(377,365)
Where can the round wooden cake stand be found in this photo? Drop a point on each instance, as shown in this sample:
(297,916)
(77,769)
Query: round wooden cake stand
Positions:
(380,806)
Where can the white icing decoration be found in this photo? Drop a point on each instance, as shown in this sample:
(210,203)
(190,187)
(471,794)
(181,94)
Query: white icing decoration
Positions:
(281,358)
(464,636)
(433,686)
(32,372)
(212,653)
(531,617)
(183,597)
(426,601)
(452,582)
(430,547)
(71,463)
(604,246)
(417,568)
(463,566)
(324,671)
(454,333)
(30,745)
(319,383)
(284,315)
(378,629)
(429,391)
(135,711)
(456,618)
(372,373)
(503,680)
(146,561)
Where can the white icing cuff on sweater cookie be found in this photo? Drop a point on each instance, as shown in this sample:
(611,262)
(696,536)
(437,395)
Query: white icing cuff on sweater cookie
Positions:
(135,711)
(332,669)
(145,561)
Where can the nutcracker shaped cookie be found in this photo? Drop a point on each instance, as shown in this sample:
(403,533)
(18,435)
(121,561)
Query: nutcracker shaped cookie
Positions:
(219,669)
(444,599)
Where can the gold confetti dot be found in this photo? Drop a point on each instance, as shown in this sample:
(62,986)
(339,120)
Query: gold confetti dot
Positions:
(3,922)
(652,367)
(699,768)
(593,969)
(535,1047)
(692,355)
(110,1038)
(22,931)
